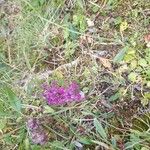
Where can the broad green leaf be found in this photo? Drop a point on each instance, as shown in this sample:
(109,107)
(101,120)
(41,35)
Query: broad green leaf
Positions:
(100,129)
(13,100)
(119,57)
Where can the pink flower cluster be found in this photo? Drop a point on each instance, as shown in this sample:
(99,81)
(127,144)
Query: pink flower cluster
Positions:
(36,132)
(58,95)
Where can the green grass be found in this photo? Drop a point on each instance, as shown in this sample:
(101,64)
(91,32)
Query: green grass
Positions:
(98,44)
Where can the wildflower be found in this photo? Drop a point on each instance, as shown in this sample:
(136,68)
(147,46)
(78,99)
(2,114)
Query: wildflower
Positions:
(73,92)
(32,123)
(38,137)
(57,95)
(36,132)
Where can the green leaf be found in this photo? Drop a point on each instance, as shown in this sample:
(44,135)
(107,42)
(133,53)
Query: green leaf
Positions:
(148,73)
(36,147)
(58,144)
(147,95)
(144,148)
(86,141)
(131,51)
(100,129)
(142,62)
(70,32)
(6,114)
(133,64)
(95,8)
(86,72)
(8,139)
(148,83)
(114,97)
(48,109)
(132,76)
(128,58)
(13,100)
(145,100)
(130,55)
(26,144)
(79,21)
(114,142)
(69,49)
(80,4)
(123,26)
(2,123)
(41,2)
(119,57)
(117,20)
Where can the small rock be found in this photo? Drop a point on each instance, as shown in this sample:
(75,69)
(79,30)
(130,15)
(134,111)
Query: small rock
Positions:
(78,145)
(2,2)
(90,23)
(147,40)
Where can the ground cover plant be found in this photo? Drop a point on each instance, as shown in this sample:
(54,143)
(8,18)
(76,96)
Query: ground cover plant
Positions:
(74,74)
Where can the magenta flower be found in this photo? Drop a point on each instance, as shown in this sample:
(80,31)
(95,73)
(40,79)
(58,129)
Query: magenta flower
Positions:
(58,95)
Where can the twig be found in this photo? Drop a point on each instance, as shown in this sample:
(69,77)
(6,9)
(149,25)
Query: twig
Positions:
(9,52)
(46,74)
(47,127)
(30,106)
